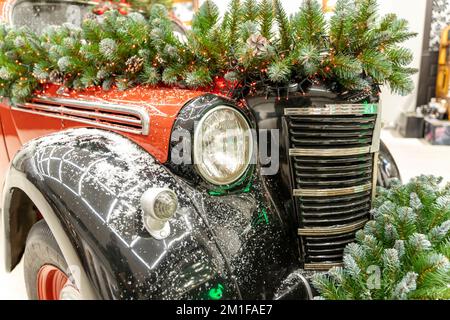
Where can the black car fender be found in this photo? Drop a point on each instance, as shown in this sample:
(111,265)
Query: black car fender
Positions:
(20,198)
(87,185)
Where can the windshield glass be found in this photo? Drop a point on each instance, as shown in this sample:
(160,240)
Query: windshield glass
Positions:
(39,14)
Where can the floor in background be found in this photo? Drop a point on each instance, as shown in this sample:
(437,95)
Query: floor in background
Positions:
(12,286)
(413,156)
(416,156)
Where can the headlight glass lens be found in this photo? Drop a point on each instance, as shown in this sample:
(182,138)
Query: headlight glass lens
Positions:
(223,146)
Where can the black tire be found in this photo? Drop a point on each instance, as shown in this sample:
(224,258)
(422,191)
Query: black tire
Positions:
(387,167)
(41,249)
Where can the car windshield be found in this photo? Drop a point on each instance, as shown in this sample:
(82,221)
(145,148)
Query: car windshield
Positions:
(39,14)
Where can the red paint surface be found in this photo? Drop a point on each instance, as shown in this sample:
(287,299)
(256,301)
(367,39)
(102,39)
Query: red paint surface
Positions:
(50,282)
(10,135)
(162,104)
(4,158)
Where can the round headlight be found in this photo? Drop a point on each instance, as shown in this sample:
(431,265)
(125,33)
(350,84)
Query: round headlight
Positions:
(223,146)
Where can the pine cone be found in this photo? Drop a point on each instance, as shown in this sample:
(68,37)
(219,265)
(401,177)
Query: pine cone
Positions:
(258,44)
(56,77)
(134,64)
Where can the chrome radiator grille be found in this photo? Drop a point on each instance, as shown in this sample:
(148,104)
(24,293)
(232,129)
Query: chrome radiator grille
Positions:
(333,152)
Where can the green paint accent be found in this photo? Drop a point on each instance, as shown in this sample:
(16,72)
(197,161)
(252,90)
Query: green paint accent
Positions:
(216,193)
(216,293)
(370,108)
(221,191)
(266,218)
(248,188)
(262,218)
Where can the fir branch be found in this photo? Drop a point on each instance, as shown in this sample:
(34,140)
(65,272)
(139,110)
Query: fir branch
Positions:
(251,10)
(411,265)
(266,18)
(234,19)
(341,25)
(395,30)
(170,76)
(400,82)
(400,56)
(198,78)
(308,57)
(364,18)
(206,18)
(346,66)
(376,65)
(284,26)
(309,24)
(130,50)
(280,71)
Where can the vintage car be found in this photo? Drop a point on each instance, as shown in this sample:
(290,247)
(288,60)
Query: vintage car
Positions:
(100,200)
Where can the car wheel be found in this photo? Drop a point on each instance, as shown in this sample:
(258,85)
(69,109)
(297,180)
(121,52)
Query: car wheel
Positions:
(387,168)
(45,268)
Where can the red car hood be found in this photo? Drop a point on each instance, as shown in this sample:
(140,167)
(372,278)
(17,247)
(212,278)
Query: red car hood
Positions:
(163,105)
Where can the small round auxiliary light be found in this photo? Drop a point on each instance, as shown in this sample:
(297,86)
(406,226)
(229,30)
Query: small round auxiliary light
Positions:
(158,206)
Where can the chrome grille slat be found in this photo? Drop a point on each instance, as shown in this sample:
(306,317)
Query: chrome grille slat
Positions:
(328,257)
(321,266)
(334,109)
(327,250)
(331,183)
(331,192)
(318,252)
(332,231)
(334,173)
(343,168)
(336,199)
(332,166)
(131,119)
(328,152)
(331,142)
(335,239)
(334,127)
(336,213)
(327,207)
(332,120)
(330,244)
(340,134)
(333,221)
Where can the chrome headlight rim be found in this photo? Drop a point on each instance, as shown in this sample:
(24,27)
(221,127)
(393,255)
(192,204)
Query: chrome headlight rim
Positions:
(197,155)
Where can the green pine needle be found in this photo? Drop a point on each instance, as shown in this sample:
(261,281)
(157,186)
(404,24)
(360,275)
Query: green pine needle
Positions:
(279,72)
(198,78)
(266,18)
(284,26)
(235,17)
(309,58)
(309,24)
(346,66)
(207,17)
(251,10)
(410,266)
(376,65)
(255,40)
(341,25)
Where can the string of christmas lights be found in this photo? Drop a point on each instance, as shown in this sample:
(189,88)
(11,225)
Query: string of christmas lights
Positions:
(255,44)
